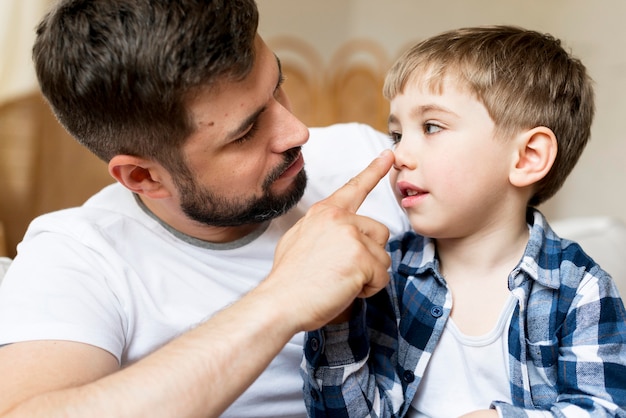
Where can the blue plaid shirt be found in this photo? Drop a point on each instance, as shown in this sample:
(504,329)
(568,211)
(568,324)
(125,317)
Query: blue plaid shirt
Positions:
(567,338)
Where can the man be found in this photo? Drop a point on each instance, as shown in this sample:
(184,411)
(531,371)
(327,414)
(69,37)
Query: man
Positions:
(105,310)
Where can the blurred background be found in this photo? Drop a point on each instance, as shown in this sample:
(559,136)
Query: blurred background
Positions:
(335,54)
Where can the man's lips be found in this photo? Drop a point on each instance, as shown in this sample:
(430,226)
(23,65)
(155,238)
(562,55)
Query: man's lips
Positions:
(294,167)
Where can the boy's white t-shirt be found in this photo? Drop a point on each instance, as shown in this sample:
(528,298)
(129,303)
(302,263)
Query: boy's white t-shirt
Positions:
(110,275)
(466,373)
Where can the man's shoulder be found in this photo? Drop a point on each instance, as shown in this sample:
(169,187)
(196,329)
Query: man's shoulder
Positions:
(112,204)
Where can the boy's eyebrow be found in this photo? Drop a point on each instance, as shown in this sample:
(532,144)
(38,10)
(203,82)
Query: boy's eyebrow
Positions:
(420,110)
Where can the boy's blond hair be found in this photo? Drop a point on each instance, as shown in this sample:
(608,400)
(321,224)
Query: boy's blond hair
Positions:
(524,79)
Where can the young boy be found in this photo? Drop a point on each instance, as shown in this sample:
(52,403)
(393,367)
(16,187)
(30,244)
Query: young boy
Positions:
(488,312)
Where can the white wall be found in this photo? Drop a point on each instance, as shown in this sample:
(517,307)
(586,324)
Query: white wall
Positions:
(18,19)
(594,31)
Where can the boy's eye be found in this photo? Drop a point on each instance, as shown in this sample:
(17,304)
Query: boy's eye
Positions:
(431,128)
(395,137)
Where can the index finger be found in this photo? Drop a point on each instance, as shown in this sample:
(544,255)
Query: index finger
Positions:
(351,195)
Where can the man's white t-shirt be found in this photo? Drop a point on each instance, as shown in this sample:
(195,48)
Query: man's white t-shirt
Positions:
(111,275)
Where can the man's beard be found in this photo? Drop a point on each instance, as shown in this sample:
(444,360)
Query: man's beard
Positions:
(205,207)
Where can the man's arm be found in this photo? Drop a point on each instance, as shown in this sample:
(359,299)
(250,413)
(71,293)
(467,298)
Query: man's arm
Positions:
(326,260)
(199,374)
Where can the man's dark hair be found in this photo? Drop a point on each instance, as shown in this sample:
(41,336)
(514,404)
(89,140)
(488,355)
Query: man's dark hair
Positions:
(118,73)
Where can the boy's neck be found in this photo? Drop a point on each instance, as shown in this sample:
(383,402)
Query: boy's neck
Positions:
(476,269)
(494,249)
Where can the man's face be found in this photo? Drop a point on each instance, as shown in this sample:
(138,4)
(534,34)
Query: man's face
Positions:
(244,156)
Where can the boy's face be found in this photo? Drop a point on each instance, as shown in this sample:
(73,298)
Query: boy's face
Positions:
(451,173)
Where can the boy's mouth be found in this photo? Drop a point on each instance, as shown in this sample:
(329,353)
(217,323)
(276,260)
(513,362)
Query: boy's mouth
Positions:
(409,190)
(410,195)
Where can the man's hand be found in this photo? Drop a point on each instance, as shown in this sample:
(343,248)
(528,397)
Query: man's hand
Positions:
(332,255)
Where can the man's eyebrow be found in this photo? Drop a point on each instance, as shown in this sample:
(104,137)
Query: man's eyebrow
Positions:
(245,125)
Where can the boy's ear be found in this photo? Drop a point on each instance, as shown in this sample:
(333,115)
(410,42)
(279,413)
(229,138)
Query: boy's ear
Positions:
(140,175)
(534,156)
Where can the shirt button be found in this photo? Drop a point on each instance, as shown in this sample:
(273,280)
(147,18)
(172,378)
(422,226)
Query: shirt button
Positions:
(436,311)
(314,344)
(408,376)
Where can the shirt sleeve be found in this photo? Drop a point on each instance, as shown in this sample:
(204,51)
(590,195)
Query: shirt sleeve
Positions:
(40,296)
(349,368)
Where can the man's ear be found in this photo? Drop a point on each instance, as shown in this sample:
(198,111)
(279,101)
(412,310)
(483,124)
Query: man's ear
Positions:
(534,156)
(141,176)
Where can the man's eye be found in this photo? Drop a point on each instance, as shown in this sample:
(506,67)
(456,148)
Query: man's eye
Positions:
(248,135)
(279,87)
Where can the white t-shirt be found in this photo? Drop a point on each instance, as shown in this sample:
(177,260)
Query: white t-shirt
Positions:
(466,373)
(110,275)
